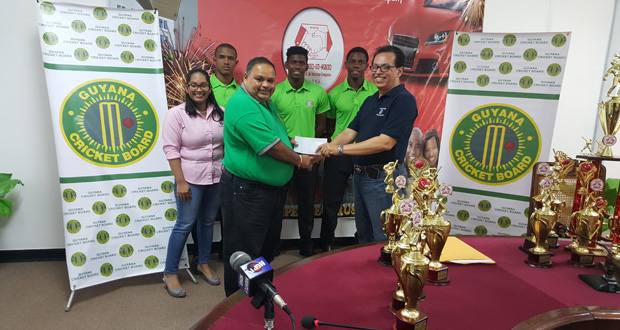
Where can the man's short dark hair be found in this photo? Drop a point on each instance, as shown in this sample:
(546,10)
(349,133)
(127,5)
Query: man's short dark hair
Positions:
(229,46)
(400,56)
(296,50)
(258,60)
(358,50)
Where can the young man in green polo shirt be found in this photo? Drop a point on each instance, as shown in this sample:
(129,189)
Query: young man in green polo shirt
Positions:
(258,163)
(223,84)
(345,100)
(303,106)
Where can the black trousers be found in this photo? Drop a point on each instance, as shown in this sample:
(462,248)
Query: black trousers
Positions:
(305,188)
(252,212)
(337,171)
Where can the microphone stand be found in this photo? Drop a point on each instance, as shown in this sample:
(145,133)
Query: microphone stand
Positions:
(603,283)
(269,314)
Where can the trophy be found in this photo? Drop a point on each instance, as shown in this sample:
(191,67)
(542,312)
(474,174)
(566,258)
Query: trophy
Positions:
(398,297)
(587,225)
(562,166)
(436,236)
(530,239)
(586,171)
(609,112)
(542,220)
(391,218)
(413,273)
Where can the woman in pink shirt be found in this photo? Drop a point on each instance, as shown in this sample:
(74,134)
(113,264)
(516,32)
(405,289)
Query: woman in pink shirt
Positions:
(194,147)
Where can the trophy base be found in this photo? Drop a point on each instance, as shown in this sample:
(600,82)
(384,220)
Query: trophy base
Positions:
(598,251)
(527,244)
(396,304)
(385,258)
(570,246)
(552,242)
(438,277)
(581,260)
(538,260)
(403,324)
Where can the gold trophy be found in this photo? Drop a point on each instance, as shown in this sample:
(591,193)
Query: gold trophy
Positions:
(609,112)
(436,237)
(413,273)
(586,171)
(398,297)
(542,220)
(587,225)
(391,218)
(562,166)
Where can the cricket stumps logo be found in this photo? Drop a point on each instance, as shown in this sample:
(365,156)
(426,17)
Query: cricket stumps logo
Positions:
(495,144)
(109,123)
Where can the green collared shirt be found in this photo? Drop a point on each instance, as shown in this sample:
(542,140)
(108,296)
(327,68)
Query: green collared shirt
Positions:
(222,92)
(250,130)
(299,107)
(345,102)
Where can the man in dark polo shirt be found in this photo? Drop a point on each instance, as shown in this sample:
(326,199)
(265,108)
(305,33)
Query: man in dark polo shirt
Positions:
(258,163)
(381,130)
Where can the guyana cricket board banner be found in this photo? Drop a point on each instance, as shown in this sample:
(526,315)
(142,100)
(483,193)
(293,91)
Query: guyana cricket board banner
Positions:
(107,97)
(502,101)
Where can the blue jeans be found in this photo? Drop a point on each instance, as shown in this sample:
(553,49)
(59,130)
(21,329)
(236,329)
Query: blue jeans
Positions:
(202,208)
(370,200)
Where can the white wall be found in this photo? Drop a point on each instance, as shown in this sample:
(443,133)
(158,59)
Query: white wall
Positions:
(27,148)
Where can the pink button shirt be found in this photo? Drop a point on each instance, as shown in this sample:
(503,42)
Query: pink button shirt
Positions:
(197,141)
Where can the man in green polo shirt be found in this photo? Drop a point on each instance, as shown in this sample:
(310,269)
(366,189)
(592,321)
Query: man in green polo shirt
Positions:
(258,163)
(223,84)
(345,101)
(303,105)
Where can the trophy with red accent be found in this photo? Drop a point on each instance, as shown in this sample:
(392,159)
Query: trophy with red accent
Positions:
(542,221)
(391,218)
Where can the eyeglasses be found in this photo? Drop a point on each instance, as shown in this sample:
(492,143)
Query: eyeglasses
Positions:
(194,86)
(383,67)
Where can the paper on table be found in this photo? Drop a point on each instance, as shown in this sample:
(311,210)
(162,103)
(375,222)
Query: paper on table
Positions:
(459,252)
(307,146)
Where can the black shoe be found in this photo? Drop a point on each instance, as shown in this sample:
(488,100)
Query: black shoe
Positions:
(328,248)
(307,252)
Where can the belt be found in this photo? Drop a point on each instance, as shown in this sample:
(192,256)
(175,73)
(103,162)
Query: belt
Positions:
(372,171)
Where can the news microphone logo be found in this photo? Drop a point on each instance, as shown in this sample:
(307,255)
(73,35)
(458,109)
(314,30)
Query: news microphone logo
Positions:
(252,270)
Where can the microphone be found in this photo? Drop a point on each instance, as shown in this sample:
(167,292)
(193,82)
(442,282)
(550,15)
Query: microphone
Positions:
(311,322)
(254,280)
(603,283)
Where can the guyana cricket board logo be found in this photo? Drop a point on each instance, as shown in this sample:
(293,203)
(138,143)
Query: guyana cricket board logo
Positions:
(109,123)
(495,144)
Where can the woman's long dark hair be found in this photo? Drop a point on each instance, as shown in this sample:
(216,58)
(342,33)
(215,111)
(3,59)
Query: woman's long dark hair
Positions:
(190,106)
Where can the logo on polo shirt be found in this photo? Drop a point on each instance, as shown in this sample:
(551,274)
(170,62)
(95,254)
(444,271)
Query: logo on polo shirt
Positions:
(495,144)
(381,110)
(309,103)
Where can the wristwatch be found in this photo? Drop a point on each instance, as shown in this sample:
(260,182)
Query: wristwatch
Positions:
(340,149)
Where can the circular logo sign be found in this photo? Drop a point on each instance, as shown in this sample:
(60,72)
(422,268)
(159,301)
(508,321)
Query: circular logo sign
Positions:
(526,82)
(483,80)
(148,231)
(509,40)
(416,218)
(100,13)
(505,68)
(546,183)
(73,226)
(69,195)
(167,187)
(125,250)
(544,169)
(609,140)
(406,206)
(124,30)
(170,214)
(119,190)
(78,26)
(495,144)
(486,54)
(150,45)
(445,189)
(50,38)
(480,230)
(504,222)
(80,54)
(144,203)
(127,57)
(558,40)
(47,8)
(463,39)
(99,207)
(530,54)
(106,269)
(401,181)
(147,17)
(484,205)
(151,262)
(462,215)
(78,259)
(460,66)
(109,123)
(102,42)
(123,220)
(317,31)
(554,69)
(597,185)
(103,237)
